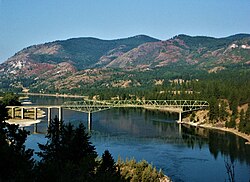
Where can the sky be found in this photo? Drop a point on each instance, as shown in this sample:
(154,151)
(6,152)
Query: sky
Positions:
(28,22)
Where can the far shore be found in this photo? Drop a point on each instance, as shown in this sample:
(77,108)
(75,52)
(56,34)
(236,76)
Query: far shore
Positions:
(54,95)
(209,126)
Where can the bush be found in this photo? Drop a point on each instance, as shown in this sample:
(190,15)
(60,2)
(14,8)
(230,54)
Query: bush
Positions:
(138,171)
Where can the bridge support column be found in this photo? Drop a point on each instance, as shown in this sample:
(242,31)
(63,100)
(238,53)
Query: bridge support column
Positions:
(89,120)
(60,114)
(60,117)
(49,116)
(22,113)
(180,117)
(13,112)
(35,113)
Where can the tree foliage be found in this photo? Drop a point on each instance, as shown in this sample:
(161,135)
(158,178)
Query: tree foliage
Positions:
(244,125)
(67,155)
(107,169)
(139,171)
(16,162)
(10,99)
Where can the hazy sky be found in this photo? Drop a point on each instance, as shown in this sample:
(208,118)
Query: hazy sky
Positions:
(28,22)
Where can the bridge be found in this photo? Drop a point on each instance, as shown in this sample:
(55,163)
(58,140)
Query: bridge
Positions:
(91,106)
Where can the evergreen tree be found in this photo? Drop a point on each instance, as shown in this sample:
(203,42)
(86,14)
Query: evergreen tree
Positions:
(213,109)
(232,122)
(248,114)
(16,162)
(3,111)
(247,121)
(68,155)
(139,171)
(107,171)
(222,110)
(11,99)
(242,123)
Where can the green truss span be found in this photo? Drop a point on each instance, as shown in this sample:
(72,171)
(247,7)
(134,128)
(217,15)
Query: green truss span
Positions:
(168,105)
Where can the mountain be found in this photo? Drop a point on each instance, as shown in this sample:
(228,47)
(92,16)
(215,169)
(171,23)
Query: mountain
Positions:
(90,62)
(204,52)
(76,54)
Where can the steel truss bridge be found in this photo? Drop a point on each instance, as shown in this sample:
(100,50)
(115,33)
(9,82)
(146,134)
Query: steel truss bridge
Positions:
(91,106)
(167,105)
(179,106)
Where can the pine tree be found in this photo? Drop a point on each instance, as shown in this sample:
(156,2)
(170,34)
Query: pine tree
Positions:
(68,155)
(242,123)
(107,169)
(247,120)
(222,110)
(232,122)
(16,161)
(3,111)
(213,109)
(248,114)
(11,99)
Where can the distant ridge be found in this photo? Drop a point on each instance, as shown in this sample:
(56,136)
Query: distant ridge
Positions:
(84,61)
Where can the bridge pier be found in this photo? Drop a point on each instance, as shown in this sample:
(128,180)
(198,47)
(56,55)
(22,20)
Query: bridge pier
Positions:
(180,117)
(49,116)
(60,114)
(22,113)
(89,120)
(35,113)
(13,112)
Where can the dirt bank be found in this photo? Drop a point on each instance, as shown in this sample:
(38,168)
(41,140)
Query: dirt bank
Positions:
(210,126)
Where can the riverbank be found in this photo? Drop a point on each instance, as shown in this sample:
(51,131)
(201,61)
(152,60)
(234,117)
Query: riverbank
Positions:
(210,126)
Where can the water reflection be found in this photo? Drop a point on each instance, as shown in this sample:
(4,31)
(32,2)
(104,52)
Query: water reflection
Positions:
(140,124)
(219,142)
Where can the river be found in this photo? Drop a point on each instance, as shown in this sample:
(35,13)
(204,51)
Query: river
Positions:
(184,154)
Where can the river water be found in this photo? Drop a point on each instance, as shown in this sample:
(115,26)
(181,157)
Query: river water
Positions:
(185,154)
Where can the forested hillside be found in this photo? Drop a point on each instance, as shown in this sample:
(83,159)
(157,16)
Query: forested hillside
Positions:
(69,65)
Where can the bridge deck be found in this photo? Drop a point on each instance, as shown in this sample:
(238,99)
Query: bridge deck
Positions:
(36,106)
